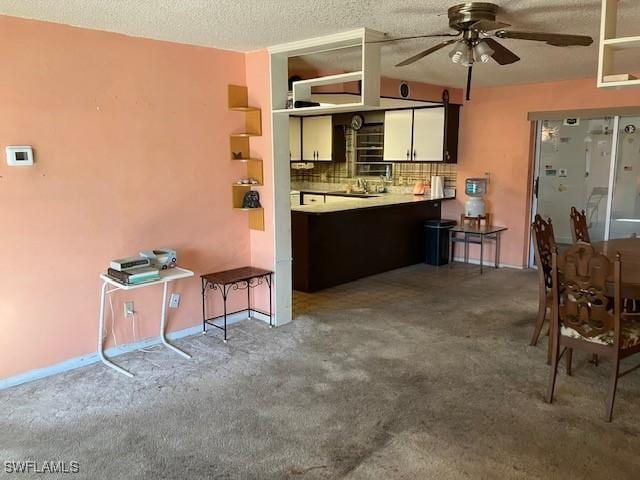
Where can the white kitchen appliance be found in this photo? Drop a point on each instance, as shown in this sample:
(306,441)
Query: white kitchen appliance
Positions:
(476,189)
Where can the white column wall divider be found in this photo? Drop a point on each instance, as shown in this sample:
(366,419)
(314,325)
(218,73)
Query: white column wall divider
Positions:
(279,70)
(279,74)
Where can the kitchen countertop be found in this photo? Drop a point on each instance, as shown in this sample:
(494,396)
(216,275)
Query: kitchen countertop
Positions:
(380,200)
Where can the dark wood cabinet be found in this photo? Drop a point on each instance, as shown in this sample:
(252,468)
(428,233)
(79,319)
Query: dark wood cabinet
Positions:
(452,126)
(338,247)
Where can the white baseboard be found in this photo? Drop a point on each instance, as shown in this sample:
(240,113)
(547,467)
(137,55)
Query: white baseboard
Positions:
(91,358)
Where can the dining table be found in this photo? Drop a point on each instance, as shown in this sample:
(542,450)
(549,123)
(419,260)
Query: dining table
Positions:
(629,249)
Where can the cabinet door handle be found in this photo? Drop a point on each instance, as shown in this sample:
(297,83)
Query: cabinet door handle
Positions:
(415,155)
(408,154)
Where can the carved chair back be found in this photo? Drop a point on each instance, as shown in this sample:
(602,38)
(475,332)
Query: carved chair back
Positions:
(580,300)
(579,228)
(544,243)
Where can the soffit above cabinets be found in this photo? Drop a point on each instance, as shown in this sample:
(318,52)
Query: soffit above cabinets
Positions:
(232,25)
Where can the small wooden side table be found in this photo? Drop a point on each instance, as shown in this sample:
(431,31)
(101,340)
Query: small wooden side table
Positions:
(244,278)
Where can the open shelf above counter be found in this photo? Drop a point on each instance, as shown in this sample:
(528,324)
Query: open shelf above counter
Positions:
(362,43)
(610,43)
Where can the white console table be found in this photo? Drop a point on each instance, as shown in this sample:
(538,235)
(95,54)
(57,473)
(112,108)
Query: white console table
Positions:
(166,276)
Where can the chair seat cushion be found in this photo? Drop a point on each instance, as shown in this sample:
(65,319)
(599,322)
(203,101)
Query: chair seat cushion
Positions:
(630,336)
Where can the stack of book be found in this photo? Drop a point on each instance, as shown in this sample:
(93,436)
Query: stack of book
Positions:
(133,271)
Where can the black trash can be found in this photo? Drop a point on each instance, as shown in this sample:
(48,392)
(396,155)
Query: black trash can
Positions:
(436,237)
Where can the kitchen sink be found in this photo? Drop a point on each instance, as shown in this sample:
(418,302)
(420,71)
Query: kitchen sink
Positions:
(343,193)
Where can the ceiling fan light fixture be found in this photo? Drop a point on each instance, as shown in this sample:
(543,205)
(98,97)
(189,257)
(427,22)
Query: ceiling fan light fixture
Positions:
(482,51)
(462,53)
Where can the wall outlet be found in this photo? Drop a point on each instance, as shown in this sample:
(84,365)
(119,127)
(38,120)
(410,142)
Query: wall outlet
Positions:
(128,309)
(175,300)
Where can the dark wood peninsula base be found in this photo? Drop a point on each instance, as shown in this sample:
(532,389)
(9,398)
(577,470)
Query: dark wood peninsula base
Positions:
(330,248)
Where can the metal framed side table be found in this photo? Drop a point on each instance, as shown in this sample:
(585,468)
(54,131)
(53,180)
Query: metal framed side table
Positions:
(166,276)
(244,278)
(477,235)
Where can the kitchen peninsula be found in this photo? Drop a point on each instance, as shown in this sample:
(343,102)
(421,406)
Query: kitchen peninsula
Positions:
(351,237)
(353,213)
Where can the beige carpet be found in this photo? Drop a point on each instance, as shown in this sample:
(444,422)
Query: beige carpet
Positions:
(420,373)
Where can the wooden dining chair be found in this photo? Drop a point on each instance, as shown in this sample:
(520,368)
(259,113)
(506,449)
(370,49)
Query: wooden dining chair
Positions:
(584,318)
(543,246)
(579,227)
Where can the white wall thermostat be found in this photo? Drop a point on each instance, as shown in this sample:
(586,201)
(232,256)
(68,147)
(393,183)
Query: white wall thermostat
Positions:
(19,156)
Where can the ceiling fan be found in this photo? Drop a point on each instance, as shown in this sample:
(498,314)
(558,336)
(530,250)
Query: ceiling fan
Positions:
(477,28)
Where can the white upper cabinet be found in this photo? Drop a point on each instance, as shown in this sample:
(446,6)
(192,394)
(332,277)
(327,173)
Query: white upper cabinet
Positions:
(414,135)
(397,135)
(317,138)
(295,139)
(428,135)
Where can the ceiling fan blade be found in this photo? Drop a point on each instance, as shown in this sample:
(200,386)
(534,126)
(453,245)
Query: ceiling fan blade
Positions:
(488,25)
(555,39)
(399,39)
(501,54)
(424,53)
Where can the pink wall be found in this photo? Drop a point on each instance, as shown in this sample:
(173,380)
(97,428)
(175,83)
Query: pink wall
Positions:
(107,113)
(131,144)
(390,87)
(495,137)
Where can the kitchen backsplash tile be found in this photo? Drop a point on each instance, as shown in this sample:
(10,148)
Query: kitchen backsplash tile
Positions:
(402,174)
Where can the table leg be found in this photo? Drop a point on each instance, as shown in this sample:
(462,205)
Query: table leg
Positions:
(466,248)
(101,354)
(204,312)
(248,300)
(481,251)
(163,321)
(224,301)
(452,247)
(497,261)
(269,280)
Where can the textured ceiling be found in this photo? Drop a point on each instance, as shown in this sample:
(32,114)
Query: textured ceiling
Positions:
(249,25)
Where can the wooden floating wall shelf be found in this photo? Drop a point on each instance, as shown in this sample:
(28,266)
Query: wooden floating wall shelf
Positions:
(609,45)
(240,151)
